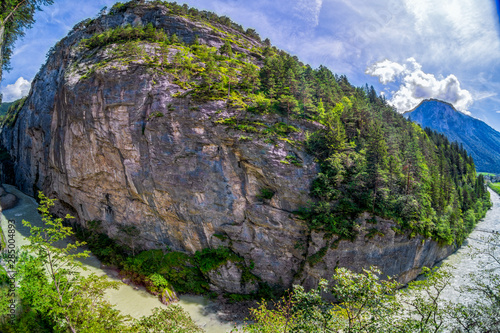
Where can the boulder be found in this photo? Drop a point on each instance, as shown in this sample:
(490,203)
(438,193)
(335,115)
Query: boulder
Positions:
(7,200)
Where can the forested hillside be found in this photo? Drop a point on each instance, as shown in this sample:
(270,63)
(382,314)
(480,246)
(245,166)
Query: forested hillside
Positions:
(480,140)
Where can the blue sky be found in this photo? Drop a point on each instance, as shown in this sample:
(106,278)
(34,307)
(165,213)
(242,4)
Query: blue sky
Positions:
(407,49)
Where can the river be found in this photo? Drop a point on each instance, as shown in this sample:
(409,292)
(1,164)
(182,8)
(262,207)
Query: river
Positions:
(462,262)
(138,302)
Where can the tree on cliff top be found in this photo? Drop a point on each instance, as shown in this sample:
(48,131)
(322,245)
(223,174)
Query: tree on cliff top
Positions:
(15,17)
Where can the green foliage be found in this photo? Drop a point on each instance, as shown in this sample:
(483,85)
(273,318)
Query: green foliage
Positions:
(157,114)
(210,259)
(156,269)
(371,159)
(4,107)
(294,160)
(374,232)
(9,119)
(245,138)
(55,297)
(481,315)
(125,34)
(367,304)
(318,256)
(265,194)
(51,285)
(15,17)
(495,187)
(364,304)
(172,319)
(156,283)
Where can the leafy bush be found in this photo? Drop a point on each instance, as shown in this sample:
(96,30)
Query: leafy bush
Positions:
(209,259)
(265,194)
(124,35)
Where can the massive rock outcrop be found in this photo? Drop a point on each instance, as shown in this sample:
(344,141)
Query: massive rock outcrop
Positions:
(118,144)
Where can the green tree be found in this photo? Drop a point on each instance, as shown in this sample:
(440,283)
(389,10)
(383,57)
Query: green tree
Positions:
(15,17)
(377,162)
(249,77)
(173,319)
(288,103)
(422,309)
(365,302)
(56,297)
(51,283)
(226,49)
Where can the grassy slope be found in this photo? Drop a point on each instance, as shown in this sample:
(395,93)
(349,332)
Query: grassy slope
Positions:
(495,187)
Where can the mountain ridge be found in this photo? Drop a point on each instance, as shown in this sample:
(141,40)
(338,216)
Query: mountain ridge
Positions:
(478,138)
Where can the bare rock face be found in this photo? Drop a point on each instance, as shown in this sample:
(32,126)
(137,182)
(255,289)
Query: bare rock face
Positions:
(228,278)
(92,140)
(94,144)
(379,243)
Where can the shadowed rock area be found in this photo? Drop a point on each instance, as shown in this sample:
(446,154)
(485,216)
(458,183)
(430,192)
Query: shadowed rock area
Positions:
(7,200)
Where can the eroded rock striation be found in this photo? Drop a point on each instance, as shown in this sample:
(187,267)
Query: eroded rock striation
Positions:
(118,143)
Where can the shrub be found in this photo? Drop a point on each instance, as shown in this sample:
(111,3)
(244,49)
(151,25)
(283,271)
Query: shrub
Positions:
(265,194)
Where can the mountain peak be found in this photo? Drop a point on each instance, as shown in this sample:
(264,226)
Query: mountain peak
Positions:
(433,103)
(480,140)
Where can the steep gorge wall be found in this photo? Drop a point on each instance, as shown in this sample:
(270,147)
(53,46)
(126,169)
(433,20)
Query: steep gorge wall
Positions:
(180,180)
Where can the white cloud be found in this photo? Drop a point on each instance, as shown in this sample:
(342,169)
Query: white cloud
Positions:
(483,95)
(385,70)
(308,9)
(416,85)
(16,90)
(457,29)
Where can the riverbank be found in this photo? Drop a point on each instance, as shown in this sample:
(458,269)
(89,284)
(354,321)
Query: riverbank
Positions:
(212,316)
(466,259)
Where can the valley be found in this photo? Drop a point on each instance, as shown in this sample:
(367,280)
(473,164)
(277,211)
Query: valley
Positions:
(196,159)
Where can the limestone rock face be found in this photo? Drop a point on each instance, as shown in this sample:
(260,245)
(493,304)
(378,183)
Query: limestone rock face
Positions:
(228,278)
(379,243)
(92,140)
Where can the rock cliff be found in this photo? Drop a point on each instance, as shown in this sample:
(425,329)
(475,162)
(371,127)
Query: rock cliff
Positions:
(122,143)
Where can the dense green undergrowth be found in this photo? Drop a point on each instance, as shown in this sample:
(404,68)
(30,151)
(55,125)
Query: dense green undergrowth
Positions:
(495,187)
(157,268)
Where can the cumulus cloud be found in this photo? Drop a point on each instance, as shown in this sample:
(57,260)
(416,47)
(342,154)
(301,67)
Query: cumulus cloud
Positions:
(16,90)
(416,85)
(386,71)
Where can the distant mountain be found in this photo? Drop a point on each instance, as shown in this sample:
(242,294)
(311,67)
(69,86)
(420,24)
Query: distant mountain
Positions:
(479,139)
